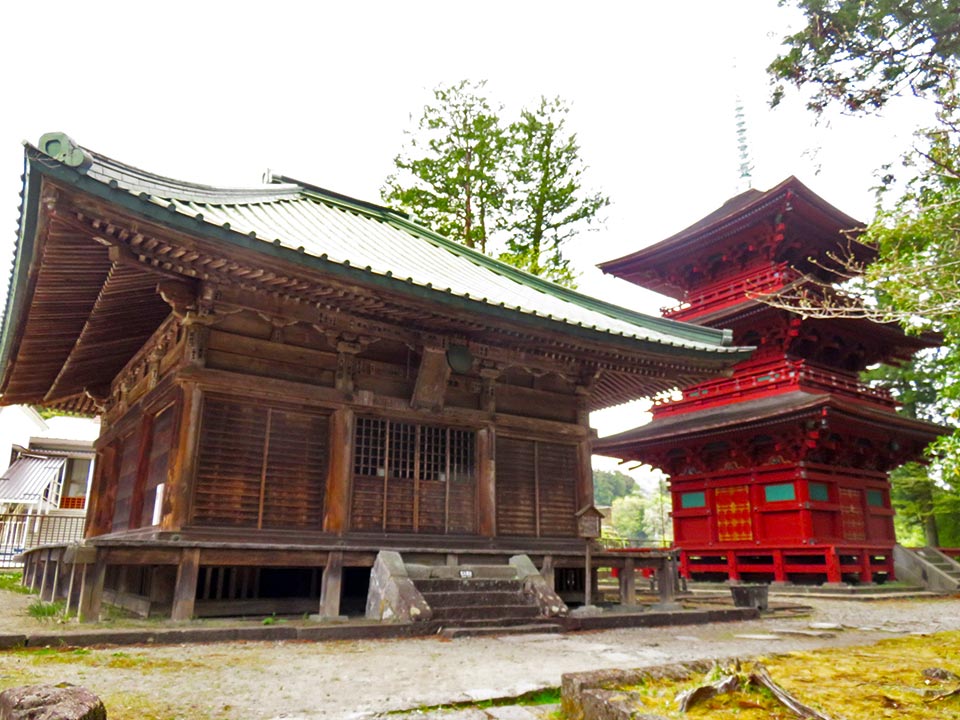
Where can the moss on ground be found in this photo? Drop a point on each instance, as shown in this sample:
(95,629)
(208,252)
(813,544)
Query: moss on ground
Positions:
(886,679)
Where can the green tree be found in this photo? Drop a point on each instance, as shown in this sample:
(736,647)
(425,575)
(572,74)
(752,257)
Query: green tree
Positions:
(628,513)
(547,204)
(608,485)
(918,498)
(860,53)
(450,173)
(658,525)
(465,176)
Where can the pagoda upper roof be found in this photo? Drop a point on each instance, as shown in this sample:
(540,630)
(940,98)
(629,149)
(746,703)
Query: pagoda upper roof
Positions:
(823,223)
(315,233)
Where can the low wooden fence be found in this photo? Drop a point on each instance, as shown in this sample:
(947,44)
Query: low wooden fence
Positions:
(19,532)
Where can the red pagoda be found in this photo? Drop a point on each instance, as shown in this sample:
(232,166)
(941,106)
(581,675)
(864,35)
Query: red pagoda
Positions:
(780,472)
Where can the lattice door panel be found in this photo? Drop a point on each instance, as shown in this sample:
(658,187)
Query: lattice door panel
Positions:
(734,514)
(852,522)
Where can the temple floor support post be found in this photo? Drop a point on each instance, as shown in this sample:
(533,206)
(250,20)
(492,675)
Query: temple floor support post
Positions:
(91,589)
(46,572)
(833,566)
(331,585)
(666,583)
(779,571)
(628,583)
(185,591)
(866,569)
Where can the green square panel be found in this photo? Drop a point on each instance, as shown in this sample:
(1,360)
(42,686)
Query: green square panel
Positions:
(693,500)
(819,491)
(779,493)
(875,498)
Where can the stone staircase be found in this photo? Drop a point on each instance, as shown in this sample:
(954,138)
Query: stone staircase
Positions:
(482,605)
(464,600)
(928,567)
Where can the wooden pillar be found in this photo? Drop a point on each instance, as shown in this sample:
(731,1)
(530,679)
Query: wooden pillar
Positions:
(866,571)
(666,577)
(487,481)
(46,573)
(833,566)
(733,570)
(628,583)
(185,591)
(779,570)
(336,511)
(104,492)
(55,585)
(73,572)
(34,567)
(91,589)
(584,449)
(331,584)
(176,494)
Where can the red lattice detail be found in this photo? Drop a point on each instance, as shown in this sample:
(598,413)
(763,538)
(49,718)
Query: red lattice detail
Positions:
(734,522)
(73,503)
(852,522)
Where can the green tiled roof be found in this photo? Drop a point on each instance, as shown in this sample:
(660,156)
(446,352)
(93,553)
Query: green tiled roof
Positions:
(321,225)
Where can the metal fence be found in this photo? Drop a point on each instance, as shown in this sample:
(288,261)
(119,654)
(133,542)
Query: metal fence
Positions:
(19,532)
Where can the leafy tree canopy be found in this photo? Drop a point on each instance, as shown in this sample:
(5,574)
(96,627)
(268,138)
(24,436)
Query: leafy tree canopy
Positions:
(608,485)
(519,186)
(860,53)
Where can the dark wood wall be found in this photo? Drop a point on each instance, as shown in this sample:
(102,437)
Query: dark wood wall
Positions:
(231,430)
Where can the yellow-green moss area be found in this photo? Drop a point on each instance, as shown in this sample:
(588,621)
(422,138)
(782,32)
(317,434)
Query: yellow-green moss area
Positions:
(883,680)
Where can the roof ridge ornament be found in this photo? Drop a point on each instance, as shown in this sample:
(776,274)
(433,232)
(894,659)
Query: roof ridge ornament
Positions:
(62,148)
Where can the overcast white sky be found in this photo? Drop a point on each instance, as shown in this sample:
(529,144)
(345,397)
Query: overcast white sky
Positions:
(217,92)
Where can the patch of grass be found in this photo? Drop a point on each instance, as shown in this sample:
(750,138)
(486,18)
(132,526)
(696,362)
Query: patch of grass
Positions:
(862,683)
(12,581)
(130,706)
(45,610)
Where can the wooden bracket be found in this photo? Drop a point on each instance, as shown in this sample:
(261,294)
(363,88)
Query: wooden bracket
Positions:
(432,378)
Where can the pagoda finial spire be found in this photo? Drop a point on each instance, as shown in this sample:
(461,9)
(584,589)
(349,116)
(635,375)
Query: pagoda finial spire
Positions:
(745,181)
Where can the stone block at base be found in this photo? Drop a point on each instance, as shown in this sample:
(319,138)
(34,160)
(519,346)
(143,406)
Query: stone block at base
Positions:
(50,702)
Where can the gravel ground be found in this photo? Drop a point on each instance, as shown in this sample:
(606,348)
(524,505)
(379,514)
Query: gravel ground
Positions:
(361,679)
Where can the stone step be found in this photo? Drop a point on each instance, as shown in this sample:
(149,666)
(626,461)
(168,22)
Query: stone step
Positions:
(474,597)
(432,585)
(487,630)
(460,613)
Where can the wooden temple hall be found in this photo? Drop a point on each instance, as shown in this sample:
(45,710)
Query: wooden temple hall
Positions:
(296,387)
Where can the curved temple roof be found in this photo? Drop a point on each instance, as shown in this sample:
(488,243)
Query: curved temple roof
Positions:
(312,227)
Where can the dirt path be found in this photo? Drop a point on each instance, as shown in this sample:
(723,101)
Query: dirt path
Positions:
(357,679)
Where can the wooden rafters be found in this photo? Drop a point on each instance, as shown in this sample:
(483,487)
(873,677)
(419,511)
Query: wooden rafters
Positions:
(68,282)
(128,300)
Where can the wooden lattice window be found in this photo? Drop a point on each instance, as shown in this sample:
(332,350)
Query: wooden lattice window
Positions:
(413,478)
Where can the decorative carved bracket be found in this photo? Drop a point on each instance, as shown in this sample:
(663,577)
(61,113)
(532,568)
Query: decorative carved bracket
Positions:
(432,378)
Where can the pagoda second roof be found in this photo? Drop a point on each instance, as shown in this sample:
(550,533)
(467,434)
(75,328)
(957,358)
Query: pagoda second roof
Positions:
(736,214)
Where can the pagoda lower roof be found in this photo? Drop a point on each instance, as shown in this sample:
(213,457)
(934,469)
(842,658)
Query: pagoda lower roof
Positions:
(767,411)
